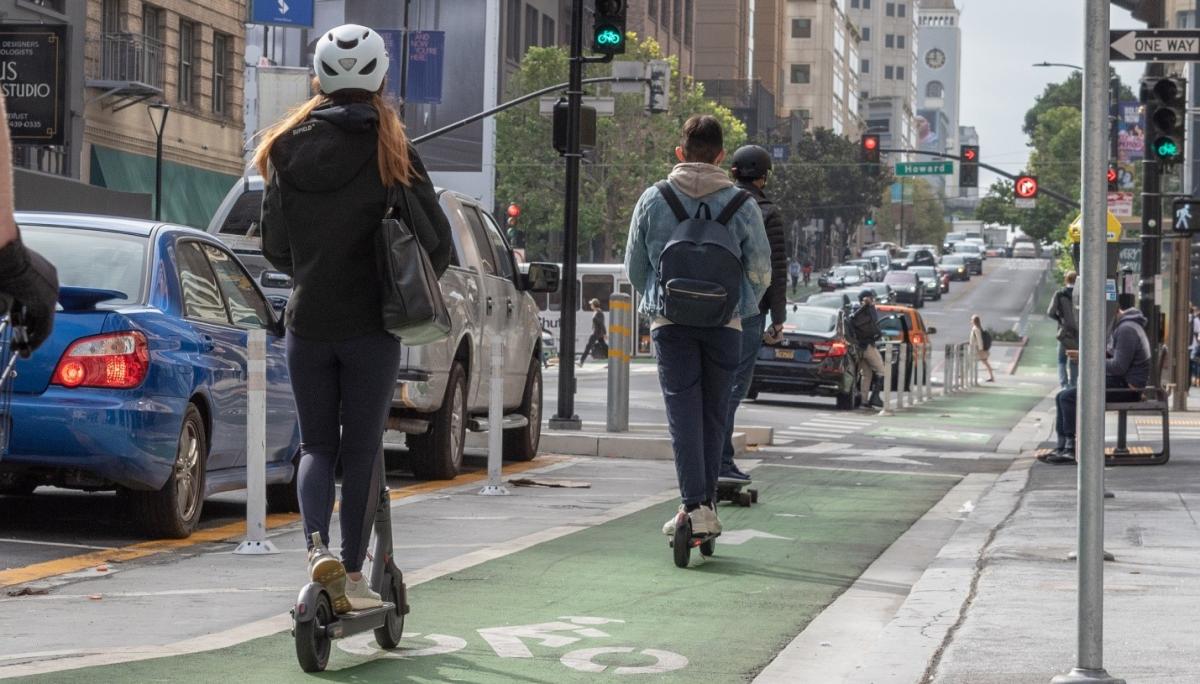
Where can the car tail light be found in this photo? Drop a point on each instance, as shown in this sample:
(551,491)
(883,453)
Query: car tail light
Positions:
(112,361)
(825,350)
(917,338)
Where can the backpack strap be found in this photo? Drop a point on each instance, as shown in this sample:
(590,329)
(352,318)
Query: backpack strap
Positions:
(732,208)
(668,194)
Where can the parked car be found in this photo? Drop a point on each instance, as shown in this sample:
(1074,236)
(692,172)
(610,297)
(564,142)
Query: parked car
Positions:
(972,257)
(831,300)
(870,267)
(442,389)
(815,357)
(905,325)
(931,281)
(950,240)
(141,387)
(1024,250)
(956,266)
(883,256)
(883,292)
(908,287)
(839,277)
(914,257)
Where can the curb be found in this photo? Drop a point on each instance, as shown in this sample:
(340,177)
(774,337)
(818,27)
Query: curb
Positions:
(1012,368)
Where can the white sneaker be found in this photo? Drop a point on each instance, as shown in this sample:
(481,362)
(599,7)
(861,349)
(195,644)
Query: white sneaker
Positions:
(669,528)
(360,594)
(704,521)
(716,521)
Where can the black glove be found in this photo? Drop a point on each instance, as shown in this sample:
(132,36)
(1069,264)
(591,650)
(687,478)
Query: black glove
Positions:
(32,282)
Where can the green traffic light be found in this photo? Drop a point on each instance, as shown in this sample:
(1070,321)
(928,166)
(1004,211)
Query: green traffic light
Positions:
(870,222)
(609,36)
(1166,148)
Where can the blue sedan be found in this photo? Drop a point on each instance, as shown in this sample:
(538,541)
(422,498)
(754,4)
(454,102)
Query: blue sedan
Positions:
(141,387)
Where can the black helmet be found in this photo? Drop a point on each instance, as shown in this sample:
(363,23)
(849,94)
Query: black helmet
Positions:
(866,293)
(751,161)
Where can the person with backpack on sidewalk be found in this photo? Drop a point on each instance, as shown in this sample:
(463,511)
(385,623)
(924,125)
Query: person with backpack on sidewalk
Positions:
(750,167)
(981,345)
(1062,311)
(864,322)
(699,256)
(794,273)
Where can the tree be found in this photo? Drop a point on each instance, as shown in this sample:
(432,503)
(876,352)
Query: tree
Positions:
(997,206)
(919,216)
(633,150)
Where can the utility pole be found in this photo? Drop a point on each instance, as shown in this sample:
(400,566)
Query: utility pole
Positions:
(1152,207)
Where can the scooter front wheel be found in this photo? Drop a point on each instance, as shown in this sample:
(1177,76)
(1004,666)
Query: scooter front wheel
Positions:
(682,542)
(389,633)
(312,641)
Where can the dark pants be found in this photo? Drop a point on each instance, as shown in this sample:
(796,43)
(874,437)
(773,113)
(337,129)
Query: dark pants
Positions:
(752,334)
(695,370)
(343,393)
(1066,401)
(592,342)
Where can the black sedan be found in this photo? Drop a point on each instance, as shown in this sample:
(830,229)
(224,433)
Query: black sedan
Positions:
(908,287)
(956,266)
(930,279)
(814,358)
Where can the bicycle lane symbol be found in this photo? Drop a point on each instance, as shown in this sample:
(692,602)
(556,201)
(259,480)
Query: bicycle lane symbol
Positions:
(510,642)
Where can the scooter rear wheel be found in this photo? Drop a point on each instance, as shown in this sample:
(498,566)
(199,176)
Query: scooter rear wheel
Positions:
(312,643)
(682,542)
(389,633)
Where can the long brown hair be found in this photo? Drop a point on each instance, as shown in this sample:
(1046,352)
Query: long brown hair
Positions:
(395,166)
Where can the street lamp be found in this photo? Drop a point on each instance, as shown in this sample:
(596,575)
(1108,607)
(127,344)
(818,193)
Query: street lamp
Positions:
(158,118)
(1058,64)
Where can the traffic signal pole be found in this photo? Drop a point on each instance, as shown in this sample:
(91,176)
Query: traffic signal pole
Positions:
(1042,190)
(1152,209)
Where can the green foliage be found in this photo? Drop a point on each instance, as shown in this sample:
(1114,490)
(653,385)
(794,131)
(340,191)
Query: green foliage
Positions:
(922,215)
(634,149)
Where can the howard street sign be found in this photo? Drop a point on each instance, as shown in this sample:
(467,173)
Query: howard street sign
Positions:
(938,168)
(1154,45)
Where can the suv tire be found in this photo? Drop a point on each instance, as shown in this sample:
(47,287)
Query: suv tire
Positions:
(438,454)
(521,444)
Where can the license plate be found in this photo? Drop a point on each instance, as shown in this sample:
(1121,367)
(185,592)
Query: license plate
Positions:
(785,353)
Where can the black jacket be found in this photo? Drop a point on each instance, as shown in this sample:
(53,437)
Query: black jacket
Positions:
(321,209)
(1062,311)
(1130,350)
(775,299)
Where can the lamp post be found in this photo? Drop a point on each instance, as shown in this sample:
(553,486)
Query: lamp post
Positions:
(158,119)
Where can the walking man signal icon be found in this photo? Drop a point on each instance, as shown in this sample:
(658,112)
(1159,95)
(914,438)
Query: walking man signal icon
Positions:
(1185,212)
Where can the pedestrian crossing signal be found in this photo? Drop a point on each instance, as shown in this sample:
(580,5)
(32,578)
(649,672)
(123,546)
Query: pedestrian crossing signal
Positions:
(1186,214)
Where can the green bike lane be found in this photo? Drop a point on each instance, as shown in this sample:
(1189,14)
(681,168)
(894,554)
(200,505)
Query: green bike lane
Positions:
(608,602)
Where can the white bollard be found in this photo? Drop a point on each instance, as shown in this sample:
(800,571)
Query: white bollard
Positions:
(947,370)
(887,380)
(904,390)
(256,542)
(496,423)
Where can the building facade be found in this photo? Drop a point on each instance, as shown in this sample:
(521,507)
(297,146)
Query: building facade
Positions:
(939,78)
(887,67)
(671,23)
(821,62)
(727,62)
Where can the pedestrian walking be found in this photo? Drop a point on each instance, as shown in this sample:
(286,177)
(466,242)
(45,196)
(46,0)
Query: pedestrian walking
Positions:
(751,167)
(329,166)
(807,271)
(1062,311)
(696,292)
(981,346)
(864,322)
(25,276)
(794,273)
(597,340)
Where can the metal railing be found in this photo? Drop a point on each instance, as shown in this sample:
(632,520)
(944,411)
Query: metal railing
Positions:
(131,58)
(911,375)
(961,369)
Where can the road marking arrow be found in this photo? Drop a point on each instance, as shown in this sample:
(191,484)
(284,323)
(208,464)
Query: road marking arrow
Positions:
(883,458)
(1126,45)
(506,641)
(739,537)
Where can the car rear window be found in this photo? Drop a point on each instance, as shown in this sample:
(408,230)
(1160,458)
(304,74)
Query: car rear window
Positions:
(925,271)
(244,215)
(92,258)
(827,300)
(952,260)
(846,270)
(812,321)
(902,277)
(890,323)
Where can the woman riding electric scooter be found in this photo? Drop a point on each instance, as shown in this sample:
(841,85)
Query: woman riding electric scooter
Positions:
(329,165)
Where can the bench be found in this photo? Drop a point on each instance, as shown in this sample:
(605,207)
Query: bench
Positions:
(1152,399)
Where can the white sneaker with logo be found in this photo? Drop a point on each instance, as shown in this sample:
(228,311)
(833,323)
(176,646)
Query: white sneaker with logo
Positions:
(360,594)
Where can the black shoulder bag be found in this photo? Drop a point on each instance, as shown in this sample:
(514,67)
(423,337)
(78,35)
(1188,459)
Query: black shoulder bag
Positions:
(413,310)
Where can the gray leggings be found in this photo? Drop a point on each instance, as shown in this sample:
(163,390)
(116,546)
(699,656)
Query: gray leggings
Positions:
(343,392)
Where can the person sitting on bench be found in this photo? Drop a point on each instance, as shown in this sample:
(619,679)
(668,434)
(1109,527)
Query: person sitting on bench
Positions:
(1126,368)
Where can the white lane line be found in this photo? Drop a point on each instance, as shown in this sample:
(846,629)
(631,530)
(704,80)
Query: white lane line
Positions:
(6,540)
(911,473)
(817,435)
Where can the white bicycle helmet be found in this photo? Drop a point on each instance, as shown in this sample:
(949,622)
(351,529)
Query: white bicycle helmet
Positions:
(350,57)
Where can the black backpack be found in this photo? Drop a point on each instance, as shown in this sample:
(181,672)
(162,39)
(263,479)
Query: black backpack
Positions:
(987,340)
(866,329)
(700,269)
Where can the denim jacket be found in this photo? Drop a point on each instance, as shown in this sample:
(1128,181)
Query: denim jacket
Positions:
(653,222)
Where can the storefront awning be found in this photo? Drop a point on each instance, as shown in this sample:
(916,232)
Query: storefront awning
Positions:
(191,195)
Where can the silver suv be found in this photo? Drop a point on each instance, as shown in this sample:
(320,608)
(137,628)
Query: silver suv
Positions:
(443,388)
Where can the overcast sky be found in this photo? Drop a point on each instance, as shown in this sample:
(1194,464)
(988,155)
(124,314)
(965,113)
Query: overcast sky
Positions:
(1001,39)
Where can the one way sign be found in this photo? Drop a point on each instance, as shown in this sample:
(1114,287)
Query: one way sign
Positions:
(1154,45)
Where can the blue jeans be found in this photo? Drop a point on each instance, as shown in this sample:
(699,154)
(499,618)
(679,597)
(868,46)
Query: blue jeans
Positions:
(1064,421)
(1068,369)
(695,371)
(752,334)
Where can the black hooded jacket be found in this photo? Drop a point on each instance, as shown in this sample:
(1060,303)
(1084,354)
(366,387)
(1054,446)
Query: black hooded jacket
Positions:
(775,299)
(322,206)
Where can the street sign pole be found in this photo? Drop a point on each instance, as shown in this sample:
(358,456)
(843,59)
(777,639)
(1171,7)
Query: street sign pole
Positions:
(1090,418)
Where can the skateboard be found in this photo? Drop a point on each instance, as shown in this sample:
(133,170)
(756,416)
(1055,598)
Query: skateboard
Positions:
(733,492)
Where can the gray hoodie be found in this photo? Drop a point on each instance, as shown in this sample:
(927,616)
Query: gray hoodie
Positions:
(1130,350)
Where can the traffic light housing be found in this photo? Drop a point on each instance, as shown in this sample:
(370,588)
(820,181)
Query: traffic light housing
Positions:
(870,148)
(968,166)
(1113,178)
(1165,100)
(658,87)
(870,220)
(608,27)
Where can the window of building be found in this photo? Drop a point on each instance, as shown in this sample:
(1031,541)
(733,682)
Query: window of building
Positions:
(866,34)
(864,95)
(801,73)
(866,4)
(688,13)
(59,6)
(934,89)
(111,16)
(889,40)
(512,37)
(188,34)
(802,28)
(890,9)
(899,73)
(221,61)
(900,42)
(901,10)
(547,31)
(652,9)
(677,19)
(532,17)
(853,4)
(888,72)
(152,35)
(865,67)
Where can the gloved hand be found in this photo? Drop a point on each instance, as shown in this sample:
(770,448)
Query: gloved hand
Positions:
(32,282)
